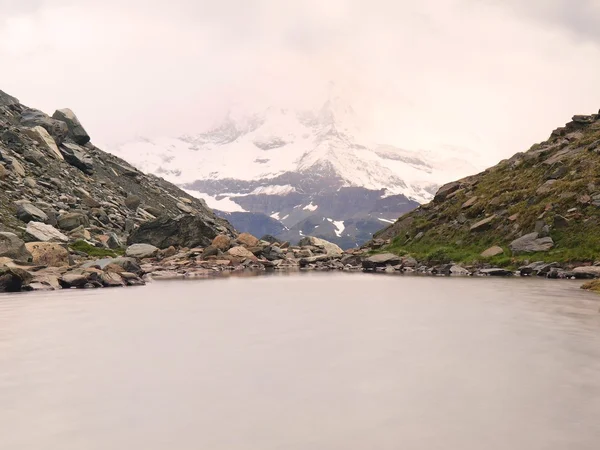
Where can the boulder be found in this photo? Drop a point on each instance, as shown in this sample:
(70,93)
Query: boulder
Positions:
(48,254)
(492,251)
(381,260)
(73,280)
(222,242)
(560,222)
(483,225)
(111,279)
(70,221)
(13,279)
(46,142)
(330,248)
(182,231)
(78,157)
(58,129)
(141,251)
(531,243)
(445,191)
(26,212)
(37,231)
(241,252)
(247,240)
(587,272)
(3,173)
(76,130)
(13,247)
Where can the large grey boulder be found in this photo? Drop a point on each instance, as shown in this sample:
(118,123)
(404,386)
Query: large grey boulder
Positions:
(56,128)
(444,191)
(76,130)
(381,260)
(531,243)
(13,247)
(182,231)
(41,232)
(141,251)
(587,272)
(26,212)
(330,248)
(78,157)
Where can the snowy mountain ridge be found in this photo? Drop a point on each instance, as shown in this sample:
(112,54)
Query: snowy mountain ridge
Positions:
(315,172)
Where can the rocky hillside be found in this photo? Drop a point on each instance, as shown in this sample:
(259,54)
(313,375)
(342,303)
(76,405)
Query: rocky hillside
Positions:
(55,185)
(542,204)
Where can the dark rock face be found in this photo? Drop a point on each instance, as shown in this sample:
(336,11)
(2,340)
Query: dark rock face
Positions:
(13,247)
(7,100)
(13,280)
(183,231)
(77,157)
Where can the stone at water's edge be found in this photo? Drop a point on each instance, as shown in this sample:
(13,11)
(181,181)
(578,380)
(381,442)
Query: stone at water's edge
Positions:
(381,260)
(330,248)
(587,272)
(13,279)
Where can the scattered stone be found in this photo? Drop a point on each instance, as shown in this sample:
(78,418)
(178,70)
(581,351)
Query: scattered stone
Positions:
(445,191)
(492,251)
(13,247)
(560,222)
(483,225)
(26,212)
(37,231)
(141,251)
(71,221)
(587,272)
(73,280)
(470,202)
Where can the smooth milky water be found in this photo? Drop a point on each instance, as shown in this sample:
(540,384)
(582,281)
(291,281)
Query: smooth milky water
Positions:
(320,362)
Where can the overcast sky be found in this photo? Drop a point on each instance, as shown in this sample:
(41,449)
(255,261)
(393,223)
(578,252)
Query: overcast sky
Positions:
(493,76)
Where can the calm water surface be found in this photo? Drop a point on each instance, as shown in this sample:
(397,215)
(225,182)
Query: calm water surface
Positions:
(319,362)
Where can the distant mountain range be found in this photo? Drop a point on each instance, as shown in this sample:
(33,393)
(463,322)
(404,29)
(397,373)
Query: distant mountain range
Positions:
(297,173)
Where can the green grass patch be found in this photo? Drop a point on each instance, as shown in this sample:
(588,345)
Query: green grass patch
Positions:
(90,250)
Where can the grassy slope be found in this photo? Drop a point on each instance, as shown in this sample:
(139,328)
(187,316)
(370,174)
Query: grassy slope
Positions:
(511,191)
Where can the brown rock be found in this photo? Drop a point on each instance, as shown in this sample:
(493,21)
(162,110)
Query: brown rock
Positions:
(247,240)
(222,242)
(492,251)
(48,254)
(241,252)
